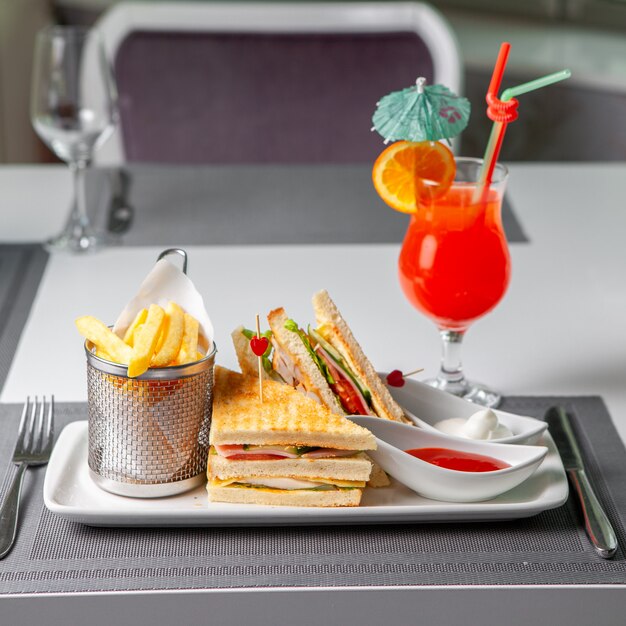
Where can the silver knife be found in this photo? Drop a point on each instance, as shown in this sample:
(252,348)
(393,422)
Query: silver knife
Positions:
(597,525)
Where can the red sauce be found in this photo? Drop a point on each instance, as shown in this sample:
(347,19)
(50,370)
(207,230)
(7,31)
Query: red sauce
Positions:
(457,460)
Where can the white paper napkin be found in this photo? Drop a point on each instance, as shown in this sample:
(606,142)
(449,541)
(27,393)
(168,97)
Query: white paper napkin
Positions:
(163,284)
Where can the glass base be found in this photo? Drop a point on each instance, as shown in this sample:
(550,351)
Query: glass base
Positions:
(87,241)
(473,392)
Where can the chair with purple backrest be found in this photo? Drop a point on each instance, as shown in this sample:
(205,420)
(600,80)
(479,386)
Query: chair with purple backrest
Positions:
(265,83)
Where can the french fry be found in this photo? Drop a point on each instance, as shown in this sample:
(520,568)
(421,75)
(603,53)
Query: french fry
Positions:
(145,342)
(103,354)
(171,336)
(189,344)
(104,339)
(140,318)
(155,338)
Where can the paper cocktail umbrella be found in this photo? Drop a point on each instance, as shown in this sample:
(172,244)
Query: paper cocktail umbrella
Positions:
(421,113)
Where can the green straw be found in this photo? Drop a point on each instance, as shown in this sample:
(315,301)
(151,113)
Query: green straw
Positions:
(498,128)
(538,83)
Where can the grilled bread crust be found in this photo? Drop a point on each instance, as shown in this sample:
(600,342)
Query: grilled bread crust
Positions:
(356,468)
(283,497)
(285,417)
(248,361)
(312,378)
(340,336)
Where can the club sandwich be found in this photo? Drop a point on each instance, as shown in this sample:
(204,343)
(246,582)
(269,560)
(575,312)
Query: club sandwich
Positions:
(288,450)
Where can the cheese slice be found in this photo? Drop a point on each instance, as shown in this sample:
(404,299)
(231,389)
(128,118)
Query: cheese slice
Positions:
(288,484)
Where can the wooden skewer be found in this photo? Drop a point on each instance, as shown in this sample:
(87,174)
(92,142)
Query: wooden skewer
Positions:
(258,334)
(421,369)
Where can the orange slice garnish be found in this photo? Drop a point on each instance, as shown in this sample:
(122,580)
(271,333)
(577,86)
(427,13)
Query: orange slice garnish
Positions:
(407,173)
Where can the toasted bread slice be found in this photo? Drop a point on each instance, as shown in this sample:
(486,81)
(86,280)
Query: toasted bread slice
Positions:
(283,497)
(356,468)
(310,375)
(284,417)
(337,332)
(248,361)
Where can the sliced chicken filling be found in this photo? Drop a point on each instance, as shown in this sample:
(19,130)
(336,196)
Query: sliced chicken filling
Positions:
(285,367)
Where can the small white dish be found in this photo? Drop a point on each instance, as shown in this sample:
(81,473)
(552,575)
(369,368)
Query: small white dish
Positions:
(426,406)
(439,483)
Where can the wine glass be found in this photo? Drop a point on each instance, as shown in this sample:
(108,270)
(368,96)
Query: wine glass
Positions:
(74,111)
(455,267)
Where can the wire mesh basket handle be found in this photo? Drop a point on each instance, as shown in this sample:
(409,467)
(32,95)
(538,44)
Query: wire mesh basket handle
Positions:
(178,251)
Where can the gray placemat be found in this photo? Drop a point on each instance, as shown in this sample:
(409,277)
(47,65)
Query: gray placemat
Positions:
(21,269)
(252,204)
(54,555)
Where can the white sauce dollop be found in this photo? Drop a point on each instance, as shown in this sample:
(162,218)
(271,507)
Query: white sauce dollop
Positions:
(481,425)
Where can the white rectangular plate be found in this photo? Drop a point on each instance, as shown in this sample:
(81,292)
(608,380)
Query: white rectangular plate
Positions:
(70,492)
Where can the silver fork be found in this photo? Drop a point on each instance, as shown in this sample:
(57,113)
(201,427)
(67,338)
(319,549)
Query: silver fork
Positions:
(33,447)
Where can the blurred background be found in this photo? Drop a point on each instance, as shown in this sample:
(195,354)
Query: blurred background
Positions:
(580,120)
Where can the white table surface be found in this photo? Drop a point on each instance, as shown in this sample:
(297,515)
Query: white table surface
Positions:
(559,330)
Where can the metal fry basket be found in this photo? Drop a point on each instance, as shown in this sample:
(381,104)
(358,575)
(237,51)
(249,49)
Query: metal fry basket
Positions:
(149,436)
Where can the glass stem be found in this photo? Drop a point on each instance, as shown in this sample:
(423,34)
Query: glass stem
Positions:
(80,219)
(451,372)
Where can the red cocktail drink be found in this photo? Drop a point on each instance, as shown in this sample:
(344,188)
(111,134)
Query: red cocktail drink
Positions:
(454,264)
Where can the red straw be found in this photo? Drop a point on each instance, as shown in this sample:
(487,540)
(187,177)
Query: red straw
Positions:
(492,93)
(498,70)
(497,131)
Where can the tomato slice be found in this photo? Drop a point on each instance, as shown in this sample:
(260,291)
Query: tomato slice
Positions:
(255,457)
(350,400)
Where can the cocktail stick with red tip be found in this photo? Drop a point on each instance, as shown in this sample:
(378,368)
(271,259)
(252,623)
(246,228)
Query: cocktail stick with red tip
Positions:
(258,345)
(395,378)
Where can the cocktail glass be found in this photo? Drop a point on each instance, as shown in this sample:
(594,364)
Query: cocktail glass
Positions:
(454,265)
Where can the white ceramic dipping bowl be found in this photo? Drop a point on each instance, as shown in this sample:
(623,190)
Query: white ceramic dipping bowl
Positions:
(439,483)
(426,406)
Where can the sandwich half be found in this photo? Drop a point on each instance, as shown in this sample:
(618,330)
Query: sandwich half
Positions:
(288,450)
(325,363)
(332,328)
